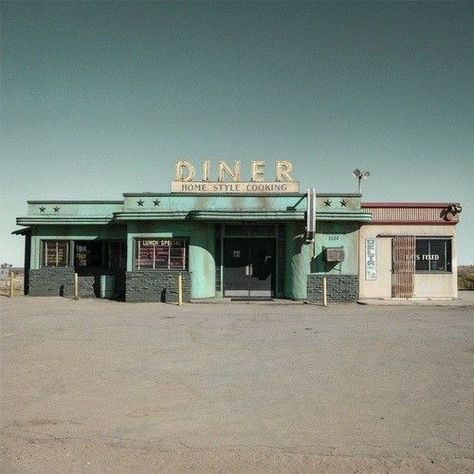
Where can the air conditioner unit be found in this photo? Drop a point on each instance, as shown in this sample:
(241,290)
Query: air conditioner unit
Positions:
(334,254)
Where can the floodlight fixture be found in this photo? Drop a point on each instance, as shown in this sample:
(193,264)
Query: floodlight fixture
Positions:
(360,175)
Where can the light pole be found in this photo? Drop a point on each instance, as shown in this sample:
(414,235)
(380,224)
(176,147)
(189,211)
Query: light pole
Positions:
(360,175)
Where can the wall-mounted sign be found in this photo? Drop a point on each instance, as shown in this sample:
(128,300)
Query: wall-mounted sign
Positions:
(371,258)
(427,257)
(229,178)
(433,255)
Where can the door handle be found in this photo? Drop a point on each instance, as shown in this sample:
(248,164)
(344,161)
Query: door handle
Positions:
(251,269)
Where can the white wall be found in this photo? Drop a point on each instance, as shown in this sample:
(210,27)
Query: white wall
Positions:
(427,285)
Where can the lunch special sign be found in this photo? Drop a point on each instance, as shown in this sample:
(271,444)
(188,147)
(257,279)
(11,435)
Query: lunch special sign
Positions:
(229,178)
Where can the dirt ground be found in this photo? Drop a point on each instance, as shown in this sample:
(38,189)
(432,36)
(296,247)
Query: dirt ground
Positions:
(99,386)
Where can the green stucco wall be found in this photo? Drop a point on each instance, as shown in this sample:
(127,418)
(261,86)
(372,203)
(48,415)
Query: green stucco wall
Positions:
(301,258)
(336,234)
(71,232)
(162,215)
(201,237)
(297,261)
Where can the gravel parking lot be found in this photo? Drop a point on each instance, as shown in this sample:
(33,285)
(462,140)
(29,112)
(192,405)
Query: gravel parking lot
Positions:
(102,386)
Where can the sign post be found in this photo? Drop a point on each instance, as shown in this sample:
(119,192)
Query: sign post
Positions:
(180,290)
(325,291)
(76,286)
(11,283)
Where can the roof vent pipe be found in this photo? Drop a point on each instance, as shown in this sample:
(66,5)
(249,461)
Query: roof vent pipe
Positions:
(310,215)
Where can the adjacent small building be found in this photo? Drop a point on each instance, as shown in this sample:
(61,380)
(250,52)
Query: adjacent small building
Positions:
(409,250)
(240,240)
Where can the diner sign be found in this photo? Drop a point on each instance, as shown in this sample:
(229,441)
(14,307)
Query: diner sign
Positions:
(229,178)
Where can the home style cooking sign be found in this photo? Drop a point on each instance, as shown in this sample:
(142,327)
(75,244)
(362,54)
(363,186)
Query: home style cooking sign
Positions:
(229,178)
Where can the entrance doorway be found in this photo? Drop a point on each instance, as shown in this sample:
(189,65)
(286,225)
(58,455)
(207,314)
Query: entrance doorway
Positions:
(403,262)
(249,267)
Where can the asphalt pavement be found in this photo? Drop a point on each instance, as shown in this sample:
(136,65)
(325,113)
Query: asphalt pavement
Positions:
(102,386)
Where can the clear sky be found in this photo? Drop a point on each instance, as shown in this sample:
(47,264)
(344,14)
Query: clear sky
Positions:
(101,98)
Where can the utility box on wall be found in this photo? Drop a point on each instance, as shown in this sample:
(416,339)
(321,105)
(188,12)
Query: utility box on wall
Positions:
(107,286)
(334,254)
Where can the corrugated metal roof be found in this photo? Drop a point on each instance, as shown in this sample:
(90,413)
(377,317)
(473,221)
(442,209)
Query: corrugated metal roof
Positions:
(410,213)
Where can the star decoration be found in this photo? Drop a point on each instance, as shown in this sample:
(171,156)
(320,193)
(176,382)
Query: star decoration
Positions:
(156,202)
(56,209)
(343,203)
(42,209)
(140,202)
(327,202)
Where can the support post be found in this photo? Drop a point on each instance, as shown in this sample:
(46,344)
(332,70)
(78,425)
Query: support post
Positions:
(325,291)
(11,283)
(76,286)
(180,290)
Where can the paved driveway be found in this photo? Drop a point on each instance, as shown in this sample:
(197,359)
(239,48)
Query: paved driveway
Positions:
(99,386)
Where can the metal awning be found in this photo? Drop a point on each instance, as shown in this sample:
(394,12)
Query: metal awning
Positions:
(24,231)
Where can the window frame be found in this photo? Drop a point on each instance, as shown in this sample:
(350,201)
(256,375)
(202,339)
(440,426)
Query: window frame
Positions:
(44,252)
(185,240)
(106,252)
(89,243)
(448,263)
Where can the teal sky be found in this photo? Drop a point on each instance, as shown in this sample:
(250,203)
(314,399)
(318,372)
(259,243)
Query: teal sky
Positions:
(101,98)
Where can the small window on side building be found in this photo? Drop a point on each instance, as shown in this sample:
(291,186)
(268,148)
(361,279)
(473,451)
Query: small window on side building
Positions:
(433,255)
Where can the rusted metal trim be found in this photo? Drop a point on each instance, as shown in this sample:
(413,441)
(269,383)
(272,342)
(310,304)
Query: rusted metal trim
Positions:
(418,222)
(418,236)
(427,205)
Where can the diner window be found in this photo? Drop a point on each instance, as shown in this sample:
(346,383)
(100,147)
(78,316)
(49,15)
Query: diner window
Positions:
(88,253)
(55,253)
(433,255)
(161,254)
(116,254)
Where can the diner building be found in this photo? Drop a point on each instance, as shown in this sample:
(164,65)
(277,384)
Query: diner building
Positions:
(255,240)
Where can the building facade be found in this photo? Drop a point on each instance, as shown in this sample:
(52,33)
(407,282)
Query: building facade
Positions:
(410,250)
(256,240)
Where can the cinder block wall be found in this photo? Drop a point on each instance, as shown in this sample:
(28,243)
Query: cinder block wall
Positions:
(89,281)
(51,281)
(59,281)
(156,285)
(339,287)
(86,287)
